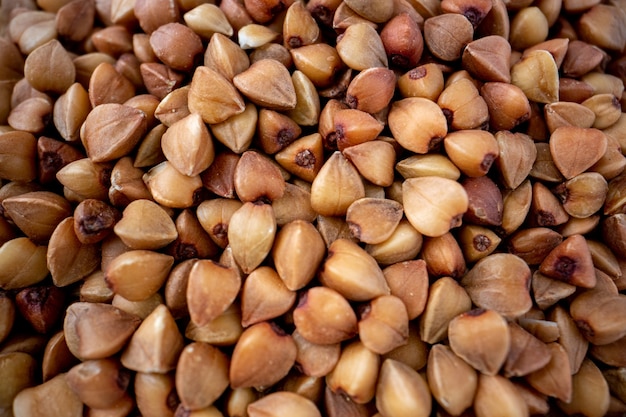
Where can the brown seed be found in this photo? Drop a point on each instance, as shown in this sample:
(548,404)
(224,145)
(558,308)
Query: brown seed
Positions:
(215,103)
(141,308)
(565,143)
(172,189)
(161,81)
(581,58)
(534,244)
(107,85)
(414,353)
(610,18)
(488,59)
(337,404)
(590,392)
(299,27)
(283,403)
(443,256)
(580,226)
(224,330)
(94,220)
(188,146)
(477,242)
(508,105)
(264,296)
(263,355)
(201,375)
(424,81)
(41,306)
(527,353)
(613,230)
(606,107)
(94,288)
(112,131)
(32,29)
(537,75)
(355,373)
(86,179)
(75,20)
(428,125)
(57,358)
(418,206)
(156,344)
(451,380)
(363,155)
(570,262)
(320,62)
(18,369)
(37,213)
(373,220)
(126,183)
(336,173)
(323,316)
(175,292)
(304,157)
(276,131)
(396,378)
(98,383)
(297,253)
(384,324)
(176,45)
(50,68)
(7,307)
(583,195)
(237,132)
(360,47)
(219,177)
(96,331)
(570,338)
(463,106)
(17,156)
(371,90)
(270,186)
(192,241)
(572,90)
(251,234)
(604,259)
(409,281)
(155,393)
(267,83)
(544,330)
(32,401)
(214,216)
(138,274)
(481,338)
(155,230)
(446,35)
(496,394)
(211,289)
(207,19)
(352,272)
(428,165)
(548,291)
(599,316)
(315,360)
(403,40)
(446,300)
(54,155)
(507,278)
(485,205)
(225,56)
(546,209)
(564,113)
